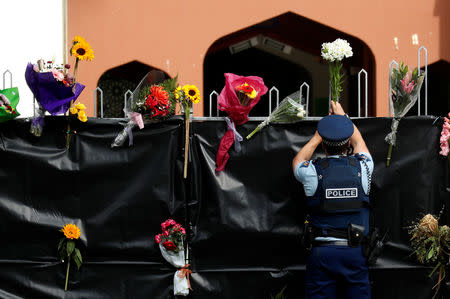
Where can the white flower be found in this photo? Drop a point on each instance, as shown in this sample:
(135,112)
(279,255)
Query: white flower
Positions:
(337,50)
(301,112)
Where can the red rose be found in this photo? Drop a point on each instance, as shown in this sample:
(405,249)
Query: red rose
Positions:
(169,245)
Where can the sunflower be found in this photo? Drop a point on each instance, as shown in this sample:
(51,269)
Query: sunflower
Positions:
(82,51)
(80,106)
(192,93)
(78,39)
(73,110)
(71,231)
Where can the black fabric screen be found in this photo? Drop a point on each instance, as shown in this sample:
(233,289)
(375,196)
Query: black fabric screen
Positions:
(244,223)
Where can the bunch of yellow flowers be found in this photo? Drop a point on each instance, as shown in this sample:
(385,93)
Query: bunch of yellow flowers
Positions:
(79,109)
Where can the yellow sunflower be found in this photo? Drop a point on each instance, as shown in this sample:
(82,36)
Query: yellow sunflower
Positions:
(192,93)
(78,39)
(71,231)
(82,51)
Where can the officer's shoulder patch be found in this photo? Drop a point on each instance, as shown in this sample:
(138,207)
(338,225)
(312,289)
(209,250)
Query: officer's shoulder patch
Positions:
(304,164)
(362,157)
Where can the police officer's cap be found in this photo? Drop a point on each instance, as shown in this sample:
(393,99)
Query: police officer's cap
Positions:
(335,130)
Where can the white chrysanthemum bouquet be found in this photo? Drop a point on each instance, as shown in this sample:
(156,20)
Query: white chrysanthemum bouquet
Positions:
(333,53)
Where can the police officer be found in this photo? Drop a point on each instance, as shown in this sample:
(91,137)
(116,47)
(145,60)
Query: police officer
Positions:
(337,189)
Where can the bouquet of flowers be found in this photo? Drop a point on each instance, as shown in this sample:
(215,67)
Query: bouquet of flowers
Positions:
(9,98)
(67,248)
(186,96)
(54,88)
(171,245)
(153,100)
(333,53)
(404,93)
(237,98)
(288,111)
(431,245)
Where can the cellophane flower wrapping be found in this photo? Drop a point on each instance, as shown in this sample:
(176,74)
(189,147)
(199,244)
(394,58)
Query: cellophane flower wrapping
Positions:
(9,98)
(137,105)
(404,94)
(229,102)
(176,259)
(290,110)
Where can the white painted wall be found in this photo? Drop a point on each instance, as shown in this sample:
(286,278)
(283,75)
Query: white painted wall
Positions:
(30,30)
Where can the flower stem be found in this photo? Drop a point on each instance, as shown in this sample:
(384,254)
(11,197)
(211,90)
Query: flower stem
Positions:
(388,160)
(259,127)
(67,273)
(187,116)
(75,71)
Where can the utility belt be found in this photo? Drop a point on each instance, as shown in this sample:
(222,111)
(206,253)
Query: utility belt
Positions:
(353,236)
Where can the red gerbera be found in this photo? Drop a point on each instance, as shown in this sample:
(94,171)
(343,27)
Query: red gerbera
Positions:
(159,94)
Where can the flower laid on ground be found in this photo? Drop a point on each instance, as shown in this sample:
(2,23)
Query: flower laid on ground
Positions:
(239,95)
(405,89)
(431,245)
(186,96)
(333,53)
(67,248)
(171,245)
(288,111)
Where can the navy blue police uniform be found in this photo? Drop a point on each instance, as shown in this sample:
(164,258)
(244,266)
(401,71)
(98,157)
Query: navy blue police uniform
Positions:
(336,268)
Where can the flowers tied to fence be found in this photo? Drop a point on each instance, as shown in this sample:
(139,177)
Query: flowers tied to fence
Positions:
(9,98)
(288,111)
(67,248)
(153,100)
(187,96)
(405,89)
(239,95)
(171,245)
(333,53)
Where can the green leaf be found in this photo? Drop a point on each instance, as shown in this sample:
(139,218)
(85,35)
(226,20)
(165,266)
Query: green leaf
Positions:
(78,255)
(70,247)
(77,258)
(430,253)
(61,243)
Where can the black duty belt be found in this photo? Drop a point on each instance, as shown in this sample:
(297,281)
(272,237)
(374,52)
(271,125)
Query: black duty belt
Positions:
(331,243)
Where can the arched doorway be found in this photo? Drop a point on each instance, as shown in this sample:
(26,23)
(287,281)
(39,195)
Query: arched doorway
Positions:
(285,52)
(116,81)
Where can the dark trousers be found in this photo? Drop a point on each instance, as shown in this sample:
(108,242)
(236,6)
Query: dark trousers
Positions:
(337,272)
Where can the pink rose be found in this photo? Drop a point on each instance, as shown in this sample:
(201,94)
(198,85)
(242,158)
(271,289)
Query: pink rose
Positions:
(183,231)
(59,76)
(166,233)
(158,238)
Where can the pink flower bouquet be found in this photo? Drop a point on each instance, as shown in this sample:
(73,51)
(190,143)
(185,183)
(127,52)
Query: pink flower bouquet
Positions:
(237,98)
(405,89)
(171,245)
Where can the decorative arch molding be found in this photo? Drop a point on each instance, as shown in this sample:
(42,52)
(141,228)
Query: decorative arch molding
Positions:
(285,51)
(115,81)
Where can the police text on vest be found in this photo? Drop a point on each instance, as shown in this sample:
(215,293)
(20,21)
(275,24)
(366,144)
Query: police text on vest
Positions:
(341,193)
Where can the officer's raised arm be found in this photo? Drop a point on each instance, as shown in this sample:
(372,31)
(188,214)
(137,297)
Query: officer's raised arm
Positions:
(359,145)
(307,151)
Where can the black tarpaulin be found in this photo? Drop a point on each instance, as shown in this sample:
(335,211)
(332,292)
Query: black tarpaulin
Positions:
(245,222)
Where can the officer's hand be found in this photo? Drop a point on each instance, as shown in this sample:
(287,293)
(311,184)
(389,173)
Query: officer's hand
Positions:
(336,108)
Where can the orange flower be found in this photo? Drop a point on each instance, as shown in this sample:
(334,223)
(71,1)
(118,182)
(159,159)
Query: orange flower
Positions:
(71,231)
